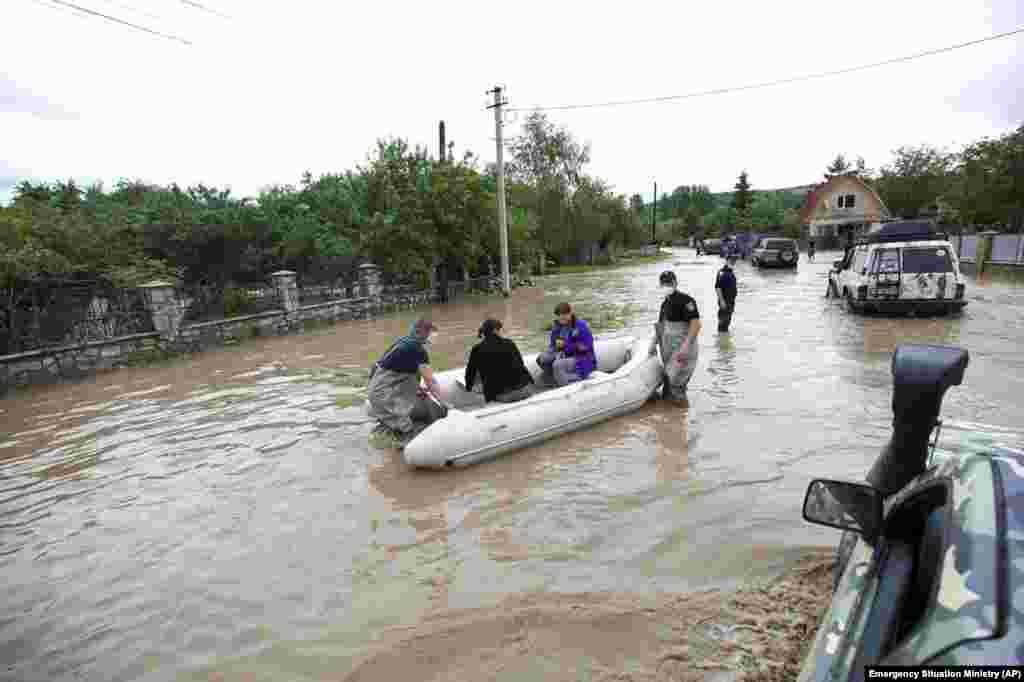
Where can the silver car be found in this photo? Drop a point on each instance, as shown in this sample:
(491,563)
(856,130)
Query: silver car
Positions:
(775,252)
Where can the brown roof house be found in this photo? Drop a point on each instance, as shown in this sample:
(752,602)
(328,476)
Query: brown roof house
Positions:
(840,209)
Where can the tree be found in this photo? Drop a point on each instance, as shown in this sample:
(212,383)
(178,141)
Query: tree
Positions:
(791,223)
(742,202)
(767,210)
(636,204)
(548,159)
(839,166)
(916,179)
(989,186)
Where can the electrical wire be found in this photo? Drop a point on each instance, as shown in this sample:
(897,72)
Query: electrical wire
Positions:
(86,10)
(197,5)
(133,9)
(722,91)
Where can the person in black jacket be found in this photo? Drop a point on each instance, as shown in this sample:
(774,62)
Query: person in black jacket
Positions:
(725,288)
(500,365)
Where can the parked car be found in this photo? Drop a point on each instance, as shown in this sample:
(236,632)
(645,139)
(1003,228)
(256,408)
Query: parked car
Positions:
(932,561)
(775,252)
(904,267)
(712,246)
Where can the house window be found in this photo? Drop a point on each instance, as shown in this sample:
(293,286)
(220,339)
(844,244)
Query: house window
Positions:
(846,200)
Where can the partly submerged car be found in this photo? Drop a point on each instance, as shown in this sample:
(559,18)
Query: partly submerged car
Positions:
(931,568)
(901,267)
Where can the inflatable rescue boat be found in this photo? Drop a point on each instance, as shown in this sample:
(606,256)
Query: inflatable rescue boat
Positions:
(474,431)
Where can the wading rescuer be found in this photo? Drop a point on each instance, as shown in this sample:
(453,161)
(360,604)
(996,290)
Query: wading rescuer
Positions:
(500,365)
(396,399)
(676,333)
(725,288)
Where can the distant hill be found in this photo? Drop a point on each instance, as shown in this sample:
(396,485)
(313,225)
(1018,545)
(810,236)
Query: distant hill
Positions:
(794,196)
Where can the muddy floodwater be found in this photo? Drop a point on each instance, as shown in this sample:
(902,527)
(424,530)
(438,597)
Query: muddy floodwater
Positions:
(227,516)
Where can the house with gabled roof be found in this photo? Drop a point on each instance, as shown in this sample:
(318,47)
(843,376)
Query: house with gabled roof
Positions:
(841,209)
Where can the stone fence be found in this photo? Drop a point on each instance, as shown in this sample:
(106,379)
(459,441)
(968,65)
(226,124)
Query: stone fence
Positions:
(990,252)
(167,309)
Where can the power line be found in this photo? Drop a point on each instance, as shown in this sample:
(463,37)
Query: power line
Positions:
(132,9)
(722,91)
(204,8)
(86,10)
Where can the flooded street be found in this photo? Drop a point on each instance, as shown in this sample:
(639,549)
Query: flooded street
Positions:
(227,514)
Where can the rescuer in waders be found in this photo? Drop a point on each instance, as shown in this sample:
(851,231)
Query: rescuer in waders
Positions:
(396,398)
(725,287)
(676,334)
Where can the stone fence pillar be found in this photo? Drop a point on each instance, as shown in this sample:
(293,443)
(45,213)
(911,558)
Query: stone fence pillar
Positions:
(288,293)
(369,281)
(165,308)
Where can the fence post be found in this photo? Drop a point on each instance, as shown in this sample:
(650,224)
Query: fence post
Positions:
(165,308)
(288,293)
(369,284)
(1020,248)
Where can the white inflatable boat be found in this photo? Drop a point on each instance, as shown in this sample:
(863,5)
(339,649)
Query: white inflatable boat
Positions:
(626,376)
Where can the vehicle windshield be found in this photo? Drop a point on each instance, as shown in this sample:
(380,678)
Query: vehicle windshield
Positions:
(927,259)
(887,261)
(778,244)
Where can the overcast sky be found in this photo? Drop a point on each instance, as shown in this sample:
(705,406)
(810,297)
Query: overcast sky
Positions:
(282,87)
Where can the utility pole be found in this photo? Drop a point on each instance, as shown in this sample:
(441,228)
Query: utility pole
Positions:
(440,129)
(502,221)
(654,214)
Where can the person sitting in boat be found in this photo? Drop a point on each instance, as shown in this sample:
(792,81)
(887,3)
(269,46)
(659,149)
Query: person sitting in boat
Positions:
(396,399)
(676,333)
(500,365)
(570,355)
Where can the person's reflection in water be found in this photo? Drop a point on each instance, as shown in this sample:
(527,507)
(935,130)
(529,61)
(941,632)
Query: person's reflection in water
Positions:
(722,368)
(672,460)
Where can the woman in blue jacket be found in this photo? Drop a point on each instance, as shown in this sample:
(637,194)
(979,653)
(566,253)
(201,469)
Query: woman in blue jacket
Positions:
(570,355)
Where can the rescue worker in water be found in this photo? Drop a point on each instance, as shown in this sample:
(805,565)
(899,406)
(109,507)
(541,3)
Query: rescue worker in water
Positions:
(395,396)
(676,334)
(725,289)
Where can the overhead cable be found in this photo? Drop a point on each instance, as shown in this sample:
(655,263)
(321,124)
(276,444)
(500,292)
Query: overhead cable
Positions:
(783,81)
(92,12)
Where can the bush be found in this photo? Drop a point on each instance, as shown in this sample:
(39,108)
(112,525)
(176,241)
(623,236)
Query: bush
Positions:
(236,300)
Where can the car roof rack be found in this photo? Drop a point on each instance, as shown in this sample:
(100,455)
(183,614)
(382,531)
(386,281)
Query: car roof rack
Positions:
(903,232)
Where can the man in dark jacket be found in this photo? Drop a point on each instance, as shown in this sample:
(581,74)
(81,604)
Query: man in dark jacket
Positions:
(500,365)
(725,287)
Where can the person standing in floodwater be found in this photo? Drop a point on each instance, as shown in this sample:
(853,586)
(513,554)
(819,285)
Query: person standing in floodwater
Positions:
(725,287)
(810,250)
(395,397)
(676,333)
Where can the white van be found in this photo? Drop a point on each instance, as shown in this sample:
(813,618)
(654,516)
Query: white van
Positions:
(901,267)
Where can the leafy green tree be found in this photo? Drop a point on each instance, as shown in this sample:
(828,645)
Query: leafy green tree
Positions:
(989,186)
(916,179)
(743,203)
(767,210)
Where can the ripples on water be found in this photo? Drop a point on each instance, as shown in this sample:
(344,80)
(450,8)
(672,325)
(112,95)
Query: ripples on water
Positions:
(229,513)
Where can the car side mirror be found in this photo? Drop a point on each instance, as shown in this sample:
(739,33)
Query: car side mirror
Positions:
(847,506)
